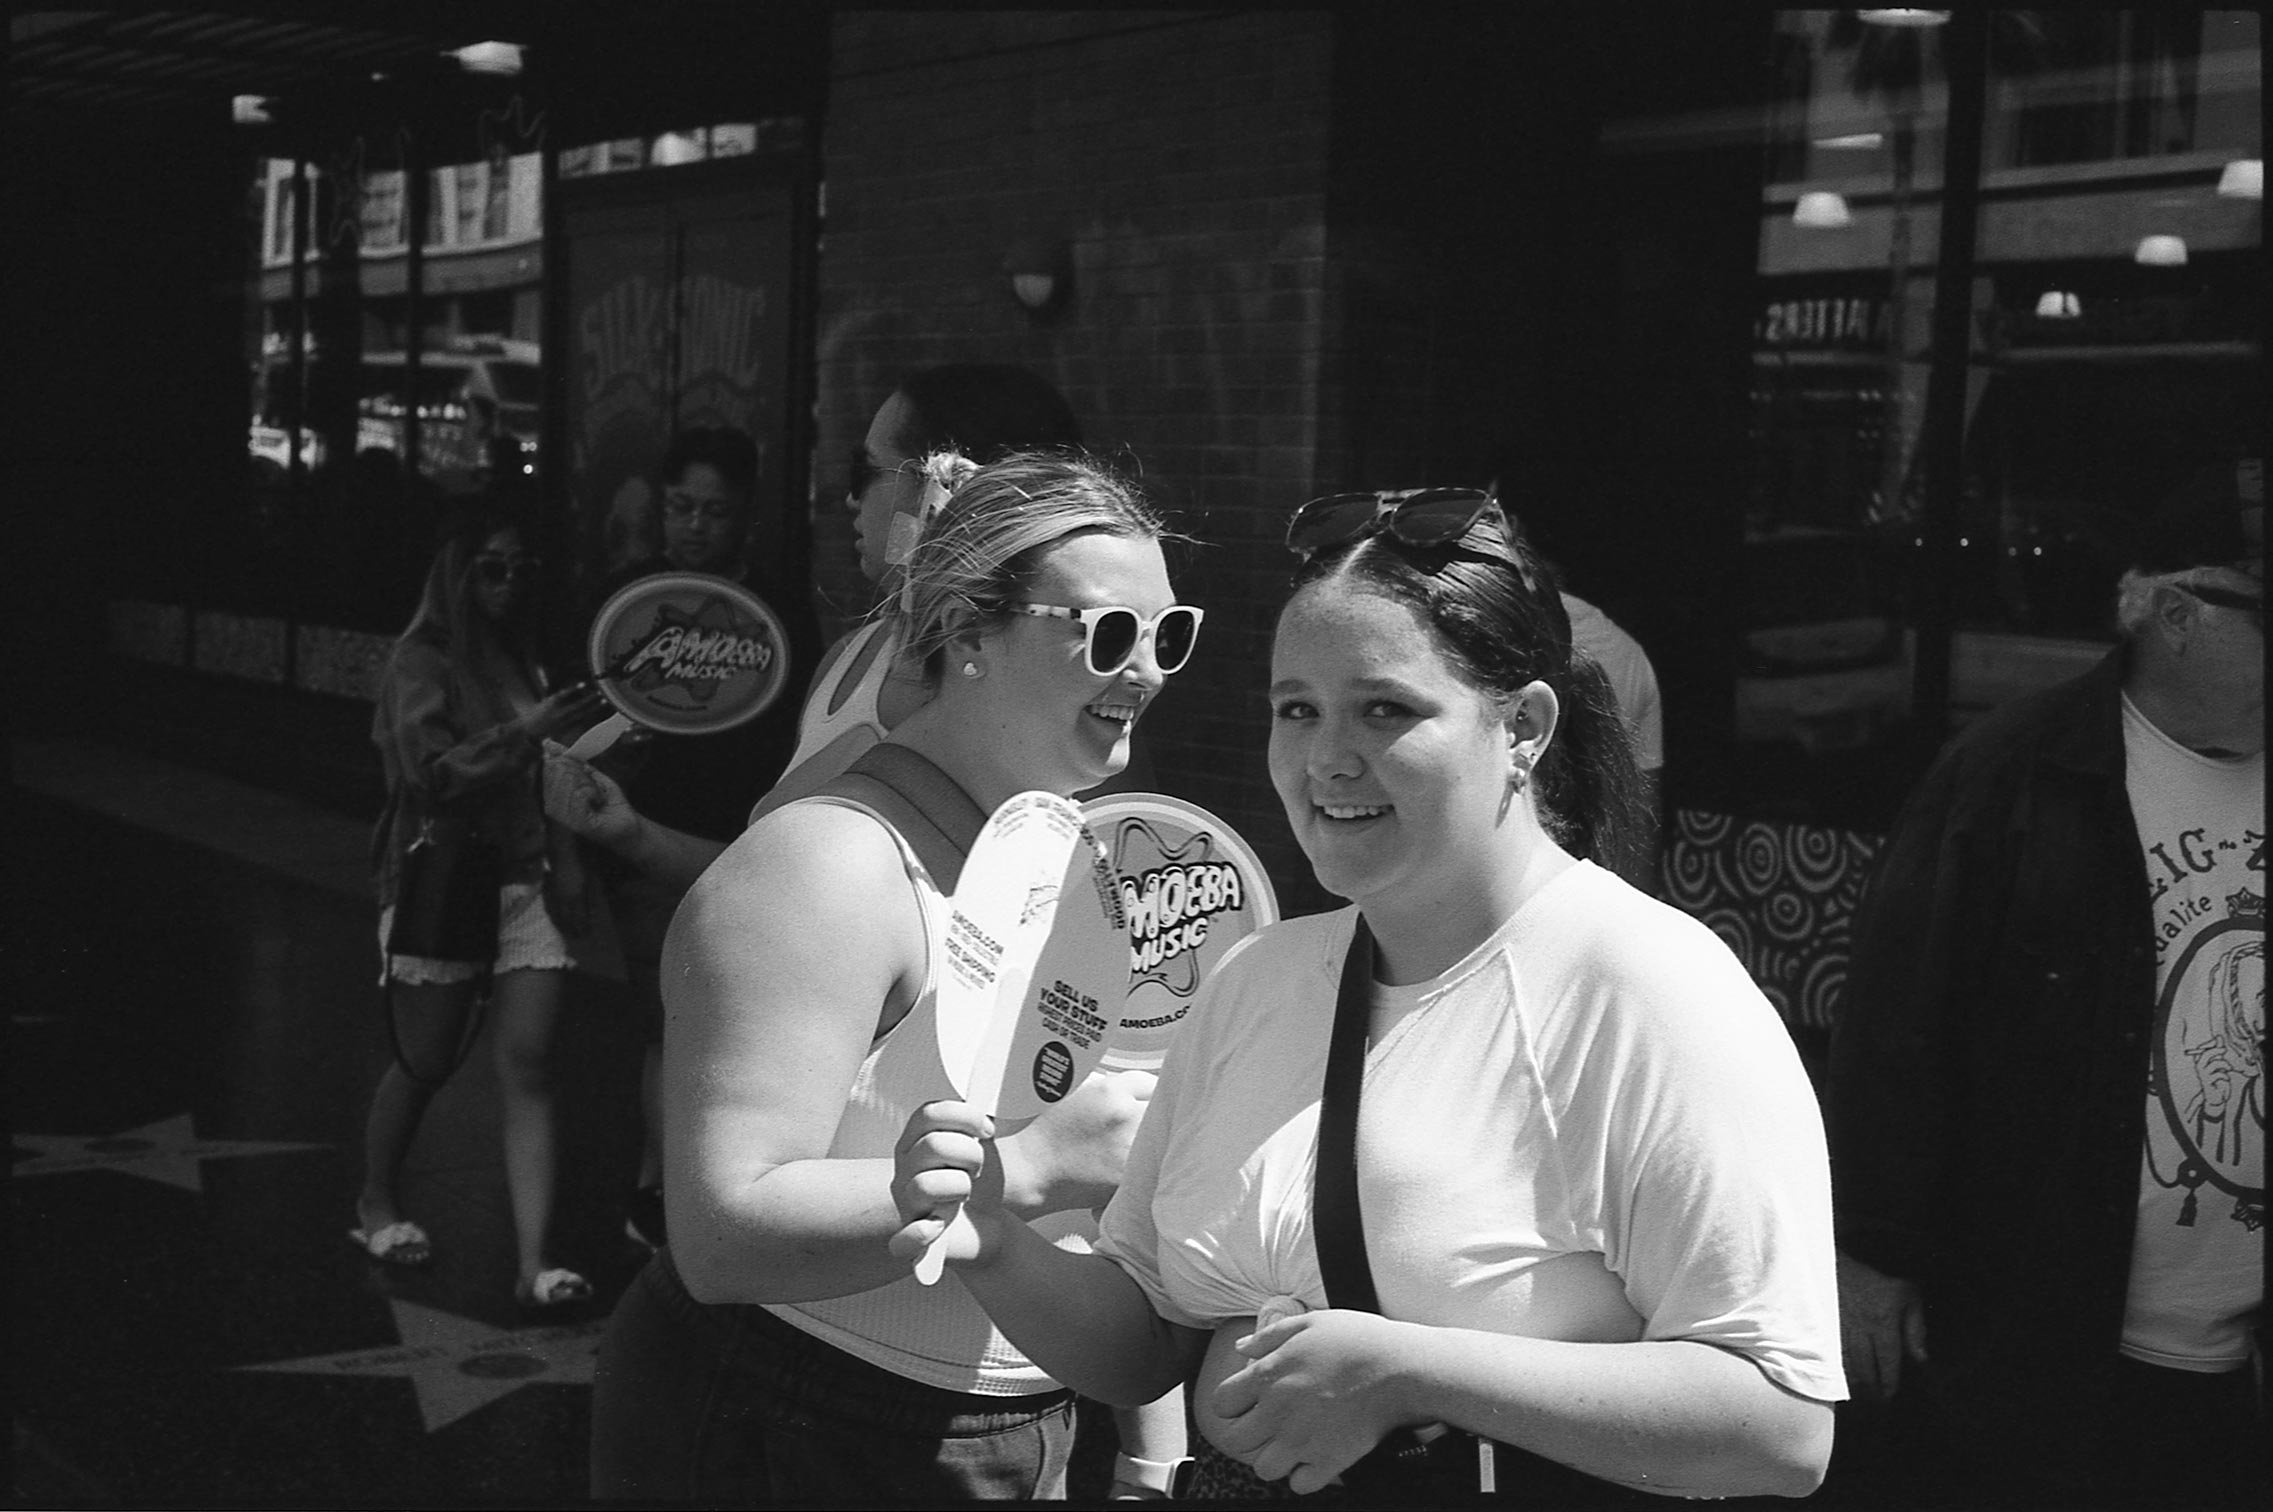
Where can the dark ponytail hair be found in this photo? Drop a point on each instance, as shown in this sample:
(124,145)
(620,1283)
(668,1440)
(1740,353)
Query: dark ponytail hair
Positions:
(1494,609)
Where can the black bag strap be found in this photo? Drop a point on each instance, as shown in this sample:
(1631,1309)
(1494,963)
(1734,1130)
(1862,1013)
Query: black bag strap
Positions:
(939,821)
(1336,1224)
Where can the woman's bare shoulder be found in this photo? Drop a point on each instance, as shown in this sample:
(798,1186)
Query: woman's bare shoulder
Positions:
(804,846)
(815,894)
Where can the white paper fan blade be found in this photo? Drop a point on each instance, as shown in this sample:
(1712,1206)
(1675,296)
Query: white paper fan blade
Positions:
(1073,998)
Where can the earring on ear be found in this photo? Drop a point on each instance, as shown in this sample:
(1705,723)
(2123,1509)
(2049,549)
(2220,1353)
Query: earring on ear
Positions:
(970,669)
(1519,774)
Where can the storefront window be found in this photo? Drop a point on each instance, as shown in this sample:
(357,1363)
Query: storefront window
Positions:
(672,149)
(385,383)
(2116,342)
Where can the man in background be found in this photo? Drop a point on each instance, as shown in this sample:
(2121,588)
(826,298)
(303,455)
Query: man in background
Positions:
(2047,1096)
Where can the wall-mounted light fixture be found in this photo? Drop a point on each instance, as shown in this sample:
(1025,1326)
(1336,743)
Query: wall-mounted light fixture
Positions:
(1822,210)
(1859,141)
(1040,272)
(2058,304)
(1902,17)
(2243,178)
(675,147)
(2161,251)
(252,110)
(502,58)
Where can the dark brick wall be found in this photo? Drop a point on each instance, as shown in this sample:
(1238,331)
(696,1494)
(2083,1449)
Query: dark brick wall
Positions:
(1326,249)
(1182,157)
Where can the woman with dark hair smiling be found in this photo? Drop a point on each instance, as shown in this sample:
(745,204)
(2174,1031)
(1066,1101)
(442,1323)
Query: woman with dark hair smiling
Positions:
(1506,1177)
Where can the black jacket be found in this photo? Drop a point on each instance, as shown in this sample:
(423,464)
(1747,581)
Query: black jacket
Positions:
(1988,1081)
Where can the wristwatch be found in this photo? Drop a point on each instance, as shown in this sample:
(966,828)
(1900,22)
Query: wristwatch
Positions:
(1147,1480)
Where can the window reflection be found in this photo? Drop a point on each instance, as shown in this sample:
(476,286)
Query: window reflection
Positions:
(2094,378)
(479,317)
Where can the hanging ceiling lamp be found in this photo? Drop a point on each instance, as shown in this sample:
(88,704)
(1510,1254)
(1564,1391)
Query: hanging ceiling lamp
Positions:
(1822,210)
(2161,251)
(499,58)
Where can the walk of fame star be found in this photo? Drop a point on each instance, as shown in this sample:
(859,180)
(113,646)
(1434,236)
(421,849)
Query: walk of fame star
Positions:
(460,1365)
(168,1151)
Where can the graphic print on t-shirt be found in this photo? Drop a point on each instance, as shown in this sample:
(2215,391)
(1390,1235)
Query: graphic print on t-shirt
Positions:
(2198,1251)
(2207,1123)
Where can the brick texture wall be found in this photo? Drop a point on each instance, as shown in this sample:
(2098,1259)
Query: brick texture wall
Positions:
(1316,250)
(1182,158)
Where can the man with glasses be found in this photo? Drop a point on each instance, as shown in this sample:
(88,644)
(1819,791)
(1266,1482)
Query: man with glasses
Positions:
(704,490)
(698,784)
(2047,1093)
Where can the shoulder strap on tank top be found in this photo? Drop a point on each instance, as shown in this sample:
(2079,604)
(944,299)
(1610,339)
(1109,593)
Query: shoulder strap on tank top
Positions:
(937,819)
(852,665)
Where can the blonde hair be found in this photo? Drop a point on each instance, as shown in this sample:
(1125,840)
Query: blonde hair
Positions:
(983,539)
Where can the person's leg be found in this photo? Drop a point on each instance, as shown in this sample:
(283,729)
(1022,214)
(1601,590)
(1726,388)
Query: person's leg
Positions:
(526,1006)
(670,1420)
(2176,1438)
(643,907)
(643,1207)
(429,1031)
(651,1115)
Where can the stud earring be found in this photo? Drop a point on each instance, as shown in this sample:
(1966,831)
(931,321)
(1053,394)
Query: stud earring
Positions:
(970,669)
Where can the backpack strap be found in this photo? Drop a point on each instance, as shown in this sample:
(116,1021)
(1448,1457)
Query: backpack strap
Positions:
(937,819)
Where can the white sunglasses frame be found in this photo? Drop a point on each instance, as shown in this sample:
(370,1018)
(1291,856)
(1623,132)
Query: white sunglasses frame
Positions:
(1146,624)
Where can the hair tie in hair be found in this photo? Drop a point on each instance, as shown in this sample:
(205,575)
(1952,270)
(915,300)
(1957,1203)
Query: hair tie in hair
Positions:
(943,472)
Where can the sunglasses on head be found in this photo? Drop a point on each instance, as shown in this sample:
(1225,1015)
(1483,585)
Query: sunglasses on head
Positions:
(497,571)
(1112,633)
(1416,516)
(2227,598)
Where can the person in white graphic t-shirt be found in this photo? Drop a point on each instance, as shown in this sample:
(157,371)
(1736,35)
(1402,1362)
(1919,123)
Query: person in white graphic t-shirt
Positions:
(2047,1086)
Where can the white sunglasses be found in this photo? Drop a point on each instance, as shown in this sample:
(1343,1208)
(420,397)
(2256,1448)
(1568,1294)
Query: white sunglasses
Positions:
(1112,633)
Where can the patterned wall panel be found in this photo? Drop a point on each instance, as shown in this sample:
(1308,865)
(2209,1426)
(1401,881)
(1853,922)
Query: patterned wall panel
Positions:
(1782,895)
(345,662)
(242,645)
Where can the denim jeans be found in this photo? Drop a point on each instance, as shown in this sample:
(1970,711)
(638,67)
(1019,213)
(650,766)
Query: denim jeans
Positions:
(729,1405)
(1443,1481)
